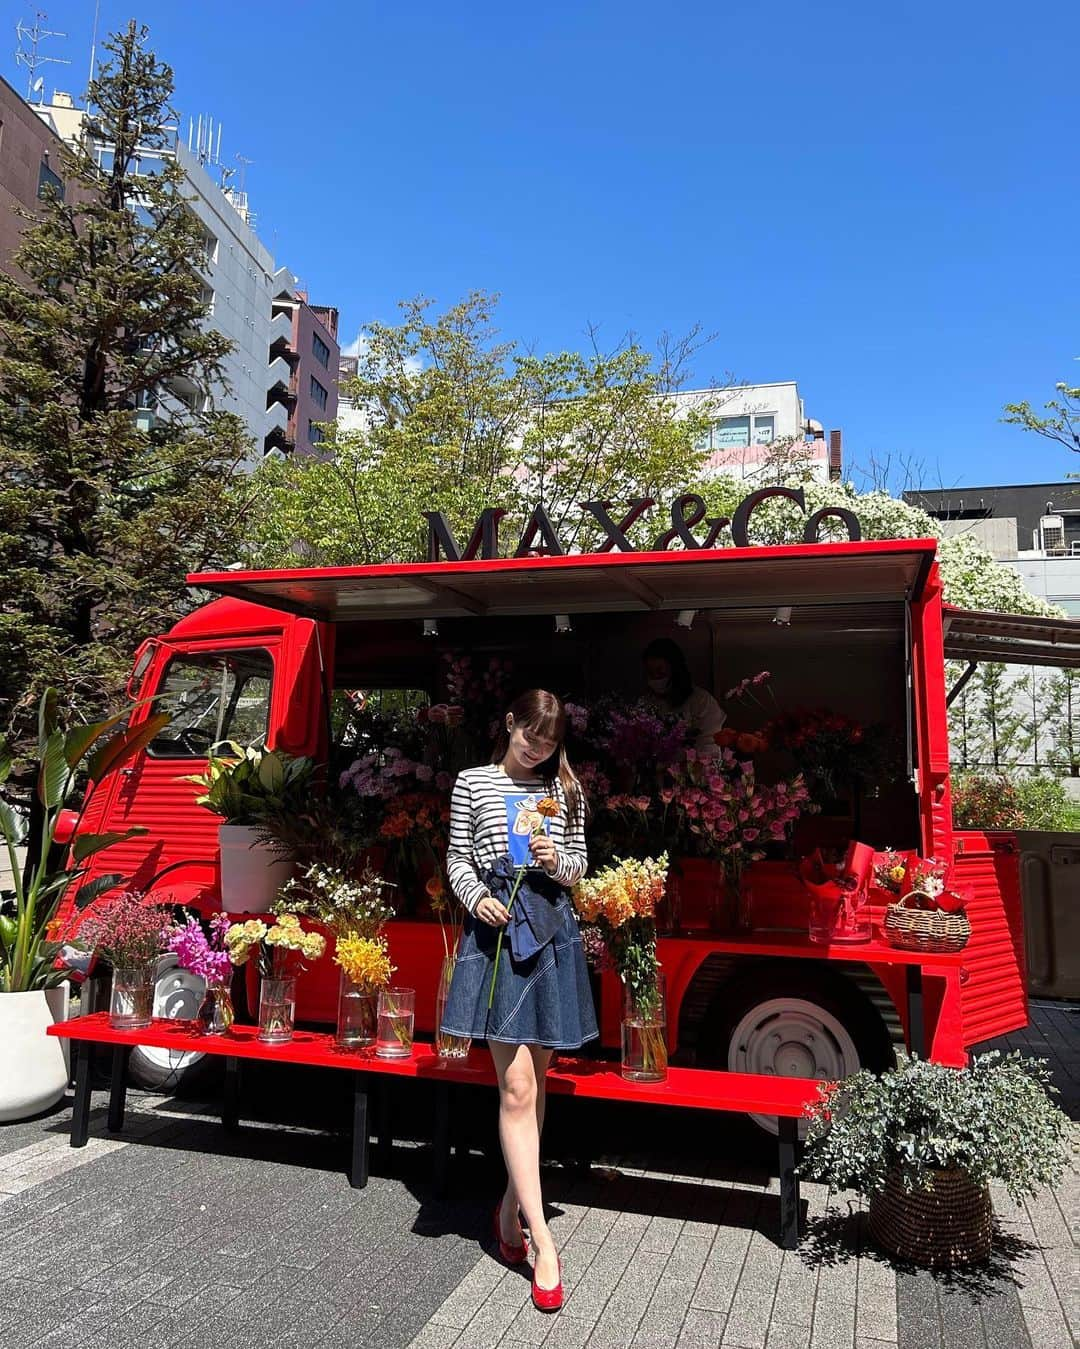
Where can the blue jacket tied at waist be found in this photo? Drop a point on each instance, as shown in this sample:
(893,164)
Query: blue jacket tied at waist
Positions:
(534,917)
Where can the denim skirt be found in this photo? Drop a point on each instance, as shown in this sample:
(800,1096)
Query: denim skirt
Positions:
(545,1000)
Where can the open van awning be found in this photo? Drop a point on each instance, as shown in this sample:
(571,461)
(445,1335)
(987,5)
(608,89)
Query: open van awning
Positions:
(1015,639)
(723,578)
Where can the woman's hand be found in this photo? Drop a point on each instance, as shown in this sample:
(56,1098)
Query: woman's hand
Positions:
(545,852)
(490,911)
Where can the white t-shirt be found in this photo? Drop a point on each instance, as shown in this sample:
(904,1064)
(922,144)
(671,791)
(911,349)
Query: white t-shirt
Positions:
(702,713)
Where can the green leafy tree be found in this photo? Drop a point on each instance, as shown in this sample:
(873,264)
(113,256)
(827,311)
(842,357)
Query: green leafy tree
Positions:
(454,418)
(1063,422)
(100,519)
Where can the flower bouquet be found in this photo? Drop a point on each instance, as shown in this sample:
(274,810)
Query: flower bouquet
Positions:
(890,870)
(839,900)
(207,957)
(618,905)
(128,930)
(272,946)
(365,967)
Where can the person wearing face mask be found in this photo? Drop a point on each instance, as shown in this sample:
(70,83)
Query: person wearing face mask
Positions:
(667,677)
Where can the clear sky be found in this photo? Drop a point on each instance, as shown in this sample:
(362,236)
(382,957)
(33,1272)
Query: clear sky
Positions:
(879,202)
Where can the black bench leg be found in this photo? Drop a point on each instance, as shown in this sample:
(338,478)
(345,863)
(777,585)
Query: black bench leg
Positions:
(916,1012)
(384,1150)
(440,1139)
(789,1184)
(358,1164)
(230,1106)
(80,1117)
(118,1088)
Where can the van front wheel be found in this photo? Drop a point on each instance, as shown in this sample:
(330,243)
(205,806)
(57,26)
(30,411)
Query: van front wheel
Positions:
(177,993)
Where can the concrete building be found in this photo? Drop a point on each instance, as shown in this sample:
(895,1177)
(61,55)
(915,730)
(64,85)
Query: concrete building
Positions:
(304,360)
(29,161)
(1034,528)
(241,283)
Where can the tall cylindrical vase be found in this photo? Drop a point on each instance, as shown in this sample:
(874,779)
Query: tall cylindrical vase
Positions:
(277,1010)
(448,1046)
(358,1014)
(644,1032)
(131,1004)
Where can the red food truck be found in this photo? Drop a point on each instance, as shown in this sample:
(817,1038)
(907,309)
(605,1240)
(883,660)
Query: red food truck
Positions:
(857,626)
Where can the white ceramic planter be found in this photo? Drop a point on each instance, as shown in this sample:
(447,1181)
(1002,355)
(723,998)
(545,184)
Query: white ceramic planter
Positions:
(33,1066)
(251,872)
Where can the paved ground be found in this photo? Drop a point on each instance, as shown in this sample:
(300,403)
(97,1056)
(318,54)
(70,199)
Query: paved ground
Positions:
(178,1236)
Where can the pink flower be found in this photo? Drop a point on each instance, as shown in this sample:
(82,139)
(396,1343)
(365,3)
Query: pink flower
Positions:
(424,772)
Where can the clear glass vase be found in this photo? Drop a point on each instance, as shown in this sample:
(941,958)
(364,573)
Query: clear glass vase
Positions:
(216,1009)
(397,1009)
(448,1046)
(357,1014)
(131,1005)
(644,1033)
(277,1010)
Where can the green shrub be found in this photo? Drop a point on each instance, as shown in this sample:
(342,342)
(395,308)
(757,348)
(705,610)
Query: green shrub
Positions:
(985,801)
(1044,803)
(993,1120)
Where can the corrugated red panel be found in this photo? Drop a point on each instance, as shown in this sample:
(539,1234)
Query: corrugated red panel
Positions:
(993,992)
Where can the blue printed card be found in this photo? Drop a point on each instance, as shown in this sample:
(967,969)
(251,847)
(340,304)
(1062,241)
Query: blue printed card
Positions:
(522,821)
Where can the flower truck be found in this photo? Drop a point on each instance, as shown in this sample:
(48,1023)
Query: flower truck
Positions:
(387,677)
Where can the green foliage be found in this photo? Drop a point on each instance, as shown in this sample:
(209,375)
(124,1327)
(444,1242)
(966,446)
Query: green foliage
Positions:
(1063,423)
(985,801)
(993,1120)
(1044,803)
(252,782)
(452,418)
(99,519)
(27,950)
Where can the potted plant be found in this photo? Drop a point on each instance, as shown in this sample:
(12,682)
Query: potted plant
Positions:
(33,987)
(245,787)
(923,1141)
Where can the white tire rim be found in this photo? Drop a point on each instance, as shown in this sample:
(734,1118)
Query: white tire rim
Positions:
(177,994)
(791,1037)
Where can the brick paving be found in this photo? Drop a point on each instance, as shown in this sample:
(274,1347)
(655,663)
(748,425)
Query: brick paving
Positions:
(179,1235)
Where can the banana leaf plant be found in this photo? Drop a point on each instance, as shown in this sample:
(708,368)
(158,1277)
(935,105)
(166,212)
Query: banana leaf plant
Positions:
(28,945)
(252,783)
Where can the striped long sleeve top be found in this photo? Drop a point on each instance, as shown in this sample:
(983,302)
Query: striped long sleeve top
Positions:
(480,823)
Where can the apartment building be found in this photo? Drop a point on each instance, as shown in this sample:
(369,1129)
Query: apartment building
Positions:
(304,362)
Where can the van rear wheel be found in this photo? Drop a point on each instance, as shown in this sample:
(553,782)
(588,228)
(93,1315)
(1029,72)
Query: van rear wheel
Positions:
(789,1023)
(177,994)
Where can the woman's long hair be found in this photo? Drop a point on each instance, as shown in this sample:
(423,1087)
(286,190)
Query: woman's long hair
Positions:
(544,715)
(682,685)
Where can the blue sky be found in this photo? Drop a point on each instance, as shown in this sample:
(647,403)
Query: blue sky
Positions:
(879,202)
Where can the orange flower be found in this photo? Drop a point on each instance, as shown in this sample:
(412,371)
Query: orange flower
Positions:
(434,887)
(548,807)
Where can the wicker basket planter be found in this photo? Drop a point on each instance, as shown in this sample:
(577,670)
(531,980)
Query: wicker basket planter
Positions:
(950,1225)
(925,929)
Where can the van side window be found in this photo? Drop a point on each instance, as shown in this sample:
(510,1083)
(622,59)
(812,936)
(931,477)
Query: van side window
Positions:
(213,696)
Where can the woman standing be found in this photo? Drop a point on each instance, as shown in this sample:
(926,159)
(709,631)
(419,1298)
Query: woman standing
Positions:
(667,676)
(525,808)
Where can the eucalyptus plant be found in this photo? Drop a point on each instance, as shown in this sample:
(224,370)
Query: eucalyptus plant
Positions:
(993,1120)
(28,944)
(250,783)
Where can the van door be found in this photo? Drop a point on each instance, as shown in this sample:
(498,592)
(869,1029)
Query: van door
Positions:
(215,690)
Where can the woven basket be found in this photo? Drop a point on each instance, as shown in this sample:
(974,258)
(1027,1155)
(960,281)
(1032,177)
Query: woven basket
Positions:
(925,929)
(952,1224)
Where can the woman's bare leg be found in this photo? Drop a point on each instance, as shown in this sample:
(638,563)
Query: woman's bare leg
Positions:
(510,1203)
(519,1069)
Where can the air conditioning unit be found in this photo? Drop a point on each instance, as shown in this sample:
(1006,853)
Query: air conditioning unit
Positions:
(1052,535)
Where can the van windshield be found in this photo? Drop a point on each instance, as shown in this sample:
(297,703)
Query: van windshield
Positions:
(213,696)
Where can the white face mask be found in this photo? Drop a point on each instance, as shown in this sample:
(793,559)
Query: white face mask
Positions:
(659,685)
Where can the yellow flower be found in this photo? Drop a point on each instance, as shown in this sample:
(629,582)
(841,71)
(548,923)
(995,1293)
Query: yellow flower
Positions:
(365,960)
(313,944)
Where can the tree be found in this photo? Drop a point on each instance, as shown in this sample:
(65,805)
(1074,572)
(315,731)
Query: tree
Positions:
(1063,423)
(99,519)
(453,418)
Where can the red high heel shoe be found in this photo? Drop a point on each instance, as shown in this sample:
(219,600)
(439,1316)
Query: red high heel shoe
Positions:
(513,1255)
(548,1299)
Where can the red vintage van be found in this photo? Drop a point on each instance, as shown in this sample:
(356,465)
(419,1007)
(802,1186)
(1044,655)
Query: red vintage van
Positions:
(862,629)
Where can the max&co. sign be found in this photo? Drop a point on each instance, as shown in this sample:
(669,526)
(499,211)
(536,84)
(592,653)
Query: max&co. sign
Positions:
(540,538)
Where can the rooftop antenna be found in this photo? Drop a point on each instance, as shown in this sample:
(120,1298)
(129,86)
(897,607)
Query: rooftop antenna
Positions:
(243,161)
(32,59)
(93,39)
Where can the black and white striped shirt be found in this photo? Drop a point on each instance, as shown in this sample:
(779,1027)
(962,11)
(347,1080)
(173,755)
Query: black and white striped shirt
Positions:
(478,830)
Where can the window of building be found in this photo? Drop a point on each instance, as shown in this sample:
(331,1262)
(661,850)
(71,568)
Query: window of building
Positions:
(212,697)
(318,393)
(47,180)
(320,350)
(739,433)
(314,432)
